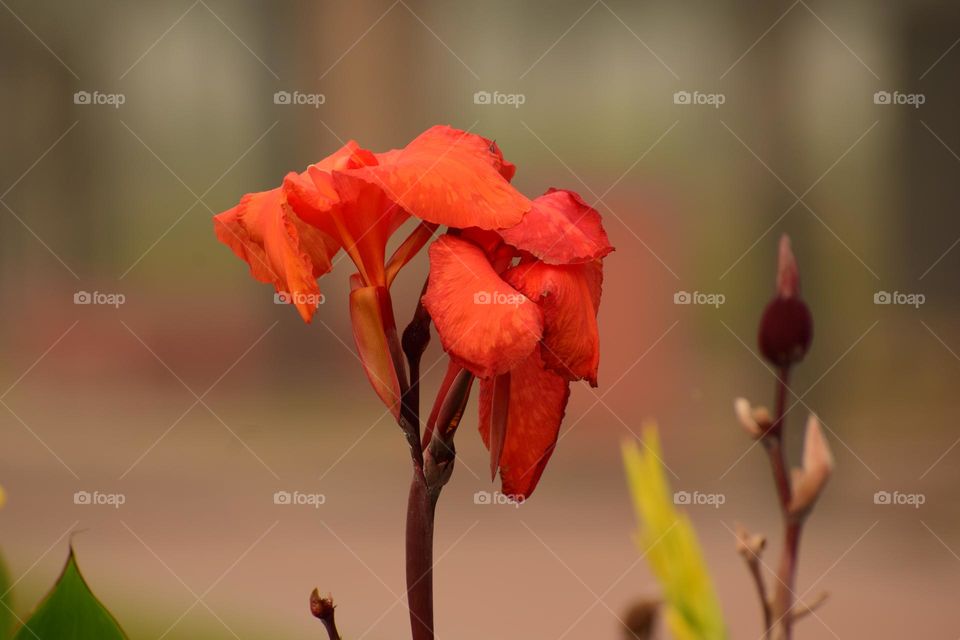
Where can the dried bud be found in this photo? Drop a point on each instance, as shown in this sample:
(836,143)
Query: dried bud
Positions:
(321,607)
(640,620)
(809,481)
(755,420)
(787,326)
(750,546)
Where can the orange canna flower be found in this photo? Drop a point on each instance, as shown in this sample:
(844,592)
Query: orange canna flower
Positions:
(517,307)
(356,200)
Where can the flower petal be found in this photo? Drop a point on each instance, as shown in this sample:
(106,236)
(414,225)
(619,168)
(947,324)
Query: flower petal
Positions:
(560,228)
(312,193)
(450,177)
(569,296)
(354,211)
(484,324)
(537,402)
(279,247)
(374,331)
(409,248)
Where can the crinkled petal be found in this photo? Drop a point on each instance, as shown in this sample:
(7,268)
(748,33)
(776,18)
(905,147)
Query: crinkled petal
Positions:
(450,177)
(279,247)
(569,296)
(485,325)
(560,228)
(312,193)
(537,401)
(354,211)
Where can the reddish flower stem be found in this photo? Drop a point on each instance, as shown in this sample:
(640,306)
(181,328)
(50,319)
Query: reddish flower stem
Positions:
(432,466)
(782,603)
(421,509)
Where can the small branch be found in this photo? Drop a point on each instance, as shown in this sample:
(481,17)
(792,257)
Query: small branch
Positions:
(804,609)
(750,547)
(323,609)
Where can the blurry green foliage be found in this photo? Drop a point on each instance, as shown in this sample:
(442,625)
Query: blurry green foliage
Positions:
(669,544)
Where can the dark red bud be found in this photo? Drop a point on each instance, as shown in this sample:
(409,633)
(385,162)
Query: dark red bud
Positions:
(786,327)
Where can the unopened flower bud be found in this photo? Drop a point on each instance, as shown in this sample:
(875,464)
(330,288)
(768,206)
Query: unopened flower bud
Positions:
(809,481)
(786,327)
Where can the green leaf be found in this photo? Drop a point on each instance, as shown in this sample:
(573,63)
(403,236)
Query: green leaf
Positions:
(6,603)
(71,612)
(669,544)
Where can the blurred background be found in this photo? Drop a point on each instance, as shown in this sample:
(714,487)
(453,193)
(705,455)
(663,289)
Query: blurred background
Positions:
(701,130)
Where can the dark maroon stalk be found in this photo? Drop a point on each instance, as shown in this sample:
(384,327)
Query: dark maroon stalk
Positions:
(782,604)
(422,500)
(421,508)
(774,441)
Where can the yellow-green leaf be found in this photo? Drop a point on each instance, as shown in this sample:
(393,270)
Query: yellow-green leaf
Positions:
(669,543)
